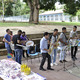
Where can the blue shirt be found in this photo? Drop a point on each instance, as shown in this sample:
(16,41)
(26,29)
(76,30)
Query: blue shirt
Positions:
(43,45)
(8,38)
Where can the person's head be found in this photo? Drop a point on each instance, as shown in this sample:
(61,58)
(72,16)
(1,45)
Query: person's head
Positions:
(55,32)
(19,32)
(74,28)
(11,33)
(8,31)
(23,33)
(64,29)
(46,35)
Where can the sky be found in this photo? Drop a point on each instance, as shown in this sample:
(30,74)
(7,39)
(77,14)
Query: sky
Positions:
(58,5)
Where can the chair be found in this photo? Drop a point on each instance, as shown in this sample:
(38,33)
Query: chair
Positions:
(34,54)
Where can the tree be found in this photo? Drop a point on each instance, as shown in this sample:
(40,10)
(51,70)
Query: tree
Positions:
(35,5)
(20,9)
(71,7)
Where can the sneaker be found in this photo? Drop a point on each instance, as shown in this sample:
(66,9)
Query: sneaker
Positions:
(51,64)
(55,64)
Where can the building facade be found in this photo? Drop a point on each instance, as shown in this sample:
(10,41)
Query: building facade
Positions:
(56,16)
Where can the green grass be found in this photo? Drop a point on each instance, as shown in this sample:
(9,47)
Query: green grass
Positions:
(15,24)
(62,23)
(23,24)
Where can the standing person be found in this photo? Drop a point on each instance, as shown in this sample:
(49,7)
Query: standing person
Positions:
(7,40)
(63,43)
(44,51)
(73,39)
(11,35)
(24,39)
(18,49)
(53,43)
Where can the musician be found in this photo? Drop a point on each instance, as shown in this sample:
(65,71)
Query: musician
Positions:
(73,38)
(7,40)
(53,43)
(44,51)
(63,42)
(24,39)
(18,50)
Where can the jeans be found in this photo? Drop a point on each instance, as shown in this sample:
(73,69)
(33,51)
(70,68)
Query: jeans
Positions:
(62,54)
(44,56)
(53,55)
(74,51)
(18,55)
(9,49)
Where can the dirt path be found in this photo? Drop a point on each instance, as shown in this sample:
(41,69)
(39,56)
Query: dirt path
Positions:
(34,29)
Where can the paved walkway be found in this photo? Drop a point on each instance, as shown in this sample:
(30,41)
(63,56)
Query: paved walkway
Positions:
(34,29)
(58,73)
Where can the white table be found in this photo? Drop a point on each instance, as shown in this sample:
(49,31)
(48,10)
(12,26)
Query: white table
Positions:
(10,70)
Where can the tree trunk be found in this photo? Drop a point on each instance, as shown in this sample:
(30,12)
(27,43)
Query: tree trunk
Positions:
(34,11)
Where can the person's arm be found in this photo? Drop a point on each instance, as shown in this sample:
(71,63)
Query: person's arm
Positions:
(4,39)
(61,39)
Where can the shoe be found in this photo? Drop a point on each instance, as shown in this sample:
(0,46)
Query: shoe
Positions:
(50,69)
(55,64)
(42,69)
(64,61)
(73,59)
(51,64)
(61,61)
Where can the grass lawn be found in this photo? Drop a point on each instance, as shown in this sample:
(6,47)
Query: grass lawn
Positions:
(61,23)
(14,24)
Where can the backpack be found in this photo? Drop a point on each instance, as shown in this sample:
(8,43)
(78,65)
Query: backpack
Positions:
(31,49)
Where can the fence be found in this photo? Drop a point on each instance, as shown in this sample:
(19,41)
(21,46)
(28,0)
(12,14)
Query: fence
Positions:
(22,18)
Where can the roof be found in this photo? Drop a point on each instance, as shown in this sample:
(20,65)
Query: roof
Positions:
(51,12)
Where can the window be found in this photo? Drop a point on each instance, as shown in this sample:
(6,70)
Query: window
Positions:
(52,17)
(61,17)
(44,18)
(56,17)
(48,18)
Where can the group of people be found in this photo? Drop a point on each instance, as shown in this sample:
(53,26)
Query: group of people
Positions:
(19,38)
(53,40)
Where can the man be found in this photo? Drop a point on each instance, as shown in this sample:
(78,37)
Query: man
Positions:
(73,39)
(53,43)
(18,50)
(63,43)
(44,51)
(24,39)
(7,40)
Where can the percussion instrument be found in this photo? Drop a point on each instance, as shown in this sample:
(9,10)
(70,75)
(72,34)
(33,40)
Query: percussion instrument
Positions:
(28,44)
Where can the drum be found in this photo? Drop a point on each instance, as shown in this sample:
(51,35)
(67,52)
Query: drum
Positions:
(28,44)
